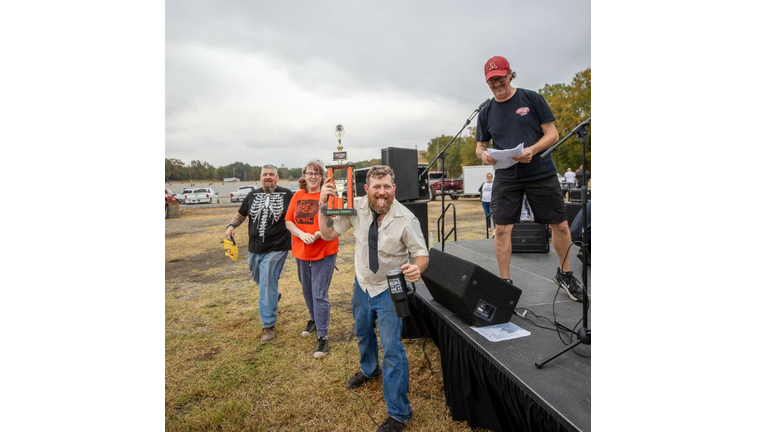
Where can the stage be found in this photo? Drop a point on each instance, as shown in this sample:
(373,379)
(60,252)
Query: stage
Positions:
(496,385)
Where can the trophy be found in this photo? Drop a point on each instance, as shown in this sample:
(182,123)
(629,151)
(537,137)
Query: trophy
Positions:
(337,205)
(339,156)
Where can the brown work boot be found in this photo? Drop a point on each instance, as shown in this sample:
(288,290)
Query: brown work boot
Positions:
(269,334)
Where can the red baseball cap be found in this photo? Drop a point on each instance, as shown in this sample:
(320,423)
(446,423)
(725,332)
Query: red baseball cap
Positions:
(496,66)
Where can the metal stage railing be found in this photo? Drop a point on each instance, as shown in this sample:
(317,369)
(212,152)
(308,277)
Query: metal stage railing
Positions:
(439,231)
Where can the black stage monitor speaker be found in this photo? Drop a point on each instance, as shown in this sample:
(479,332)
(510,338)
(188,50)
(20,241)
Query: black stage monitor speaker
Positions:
(574,195)
(404,163)
(529,236)
(420,210)
(573,209)
(476,295)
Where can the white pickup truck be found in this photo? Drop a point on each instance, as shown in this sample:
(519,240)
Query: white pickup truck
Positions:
(203,195)
(180,196)
(239,194)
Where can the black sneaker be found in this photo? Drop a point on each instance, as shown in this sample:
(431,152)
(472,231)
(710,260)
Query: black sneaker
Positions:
(390,425)
(322,349)
(570,284)
(309,329)
(357,380)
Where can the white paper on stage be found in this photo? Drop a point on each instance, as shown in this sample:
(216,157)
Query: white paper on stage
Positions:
(501,332)
(505,157)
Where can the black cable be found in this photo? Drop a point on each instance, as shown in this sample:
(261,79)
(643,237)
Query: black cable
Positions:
(565,258)
(425,355)
(574,349)
(423,348)
(555,326)
(554,301)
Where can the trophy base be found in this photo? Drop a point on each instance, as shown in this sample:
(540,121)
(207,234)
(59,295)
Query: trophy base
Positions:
(342,211)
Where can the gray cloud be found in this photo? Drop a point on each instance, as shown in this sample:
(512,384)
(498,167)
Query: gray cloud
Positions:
(268,81)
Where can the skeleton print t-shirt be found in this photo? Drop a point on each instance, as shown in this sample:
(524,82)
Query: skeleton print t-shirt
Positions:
(266,212)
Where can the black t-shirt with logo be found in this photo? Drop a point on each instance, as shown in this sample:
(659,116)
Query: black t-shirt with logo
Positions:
(514,121)
(266,213)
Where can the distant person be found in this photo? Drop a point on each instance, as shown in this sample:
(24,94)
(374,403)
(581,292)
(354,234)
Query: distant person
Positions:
(486,200)
(526,214)
(519,116)
(386,233)
(580,175)
(269,243)
(315,257)
(570,178)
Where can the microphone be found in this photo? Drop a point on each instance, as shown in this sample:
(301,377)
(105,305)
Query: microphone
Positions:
(575,131)
(475,112)
(577,128)
(482,105)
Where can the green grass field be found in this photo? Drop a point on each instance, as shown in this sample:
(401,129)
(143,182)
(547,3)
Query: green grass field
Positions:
(219,377)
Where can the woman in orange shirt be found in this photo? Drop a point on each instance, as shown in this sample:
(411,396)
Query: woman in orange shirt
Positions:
(315,257)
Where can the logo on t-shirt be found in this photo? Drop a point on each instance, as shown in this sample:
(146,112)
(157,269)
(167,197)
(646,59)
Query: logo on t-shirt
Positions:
(265,209)
(305,212)
(523,111)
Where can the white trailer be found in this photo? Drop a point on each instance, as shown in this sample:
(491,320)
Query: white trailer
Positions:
(473,177)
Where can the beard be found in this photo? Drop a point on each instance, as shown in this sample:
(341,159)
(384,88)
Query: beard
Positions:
(374,203)
(269,187)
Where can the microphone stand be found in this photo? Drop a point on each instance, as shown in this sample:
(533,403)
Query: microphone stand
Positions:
(584,333)
(442,155)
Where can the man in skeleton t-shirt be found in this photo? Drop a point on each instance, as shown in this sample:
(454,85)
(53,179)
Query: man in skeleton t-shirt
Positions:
(269,244)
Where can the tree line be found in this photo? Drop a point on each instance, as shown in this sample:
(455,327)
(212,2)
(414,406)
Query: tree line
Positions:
(176,170)
(570,103)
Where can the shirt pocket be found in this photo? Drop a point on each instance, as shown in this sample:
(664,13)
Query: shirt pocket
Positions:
(391,246)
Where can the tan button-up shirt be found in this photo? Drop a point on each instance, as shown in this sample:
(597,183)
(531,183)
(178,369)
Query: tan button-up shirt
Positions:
(399,234)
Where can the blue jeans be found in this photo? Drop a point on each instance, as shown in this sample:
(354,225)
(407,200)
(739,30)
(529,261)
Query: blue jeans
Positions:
(266,269)
(487,209)
(396,374)
(315,278)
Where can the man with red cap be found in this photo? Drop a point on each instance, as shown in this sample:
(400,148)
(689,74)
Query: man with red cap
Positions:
(519,116)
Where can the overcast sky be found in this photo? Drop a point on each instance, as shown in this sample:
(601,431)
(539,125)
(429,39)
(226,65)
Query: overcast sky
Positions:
(267,82)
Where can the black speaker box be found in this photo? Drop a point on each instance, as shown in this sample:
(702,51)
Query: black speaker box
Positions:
(423,193)
(476,295)
(420,210)
(574,195)
(404,163)
(573,209)
(360,178)
(530,237)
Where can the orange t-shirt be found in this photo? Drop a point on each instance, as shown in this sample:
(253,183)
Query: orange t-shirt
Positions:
(304,211)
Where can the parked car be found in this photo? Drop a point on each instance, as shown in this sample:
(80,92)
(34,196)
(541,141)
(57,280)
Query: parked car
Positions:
(452,187)
(239,194)
(183,193)
(201,196)
(170,198)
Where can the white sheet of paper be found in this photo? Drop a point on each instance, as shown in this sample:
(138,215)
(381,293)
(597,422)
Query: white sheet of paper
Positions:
(501,332)
(505,157)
